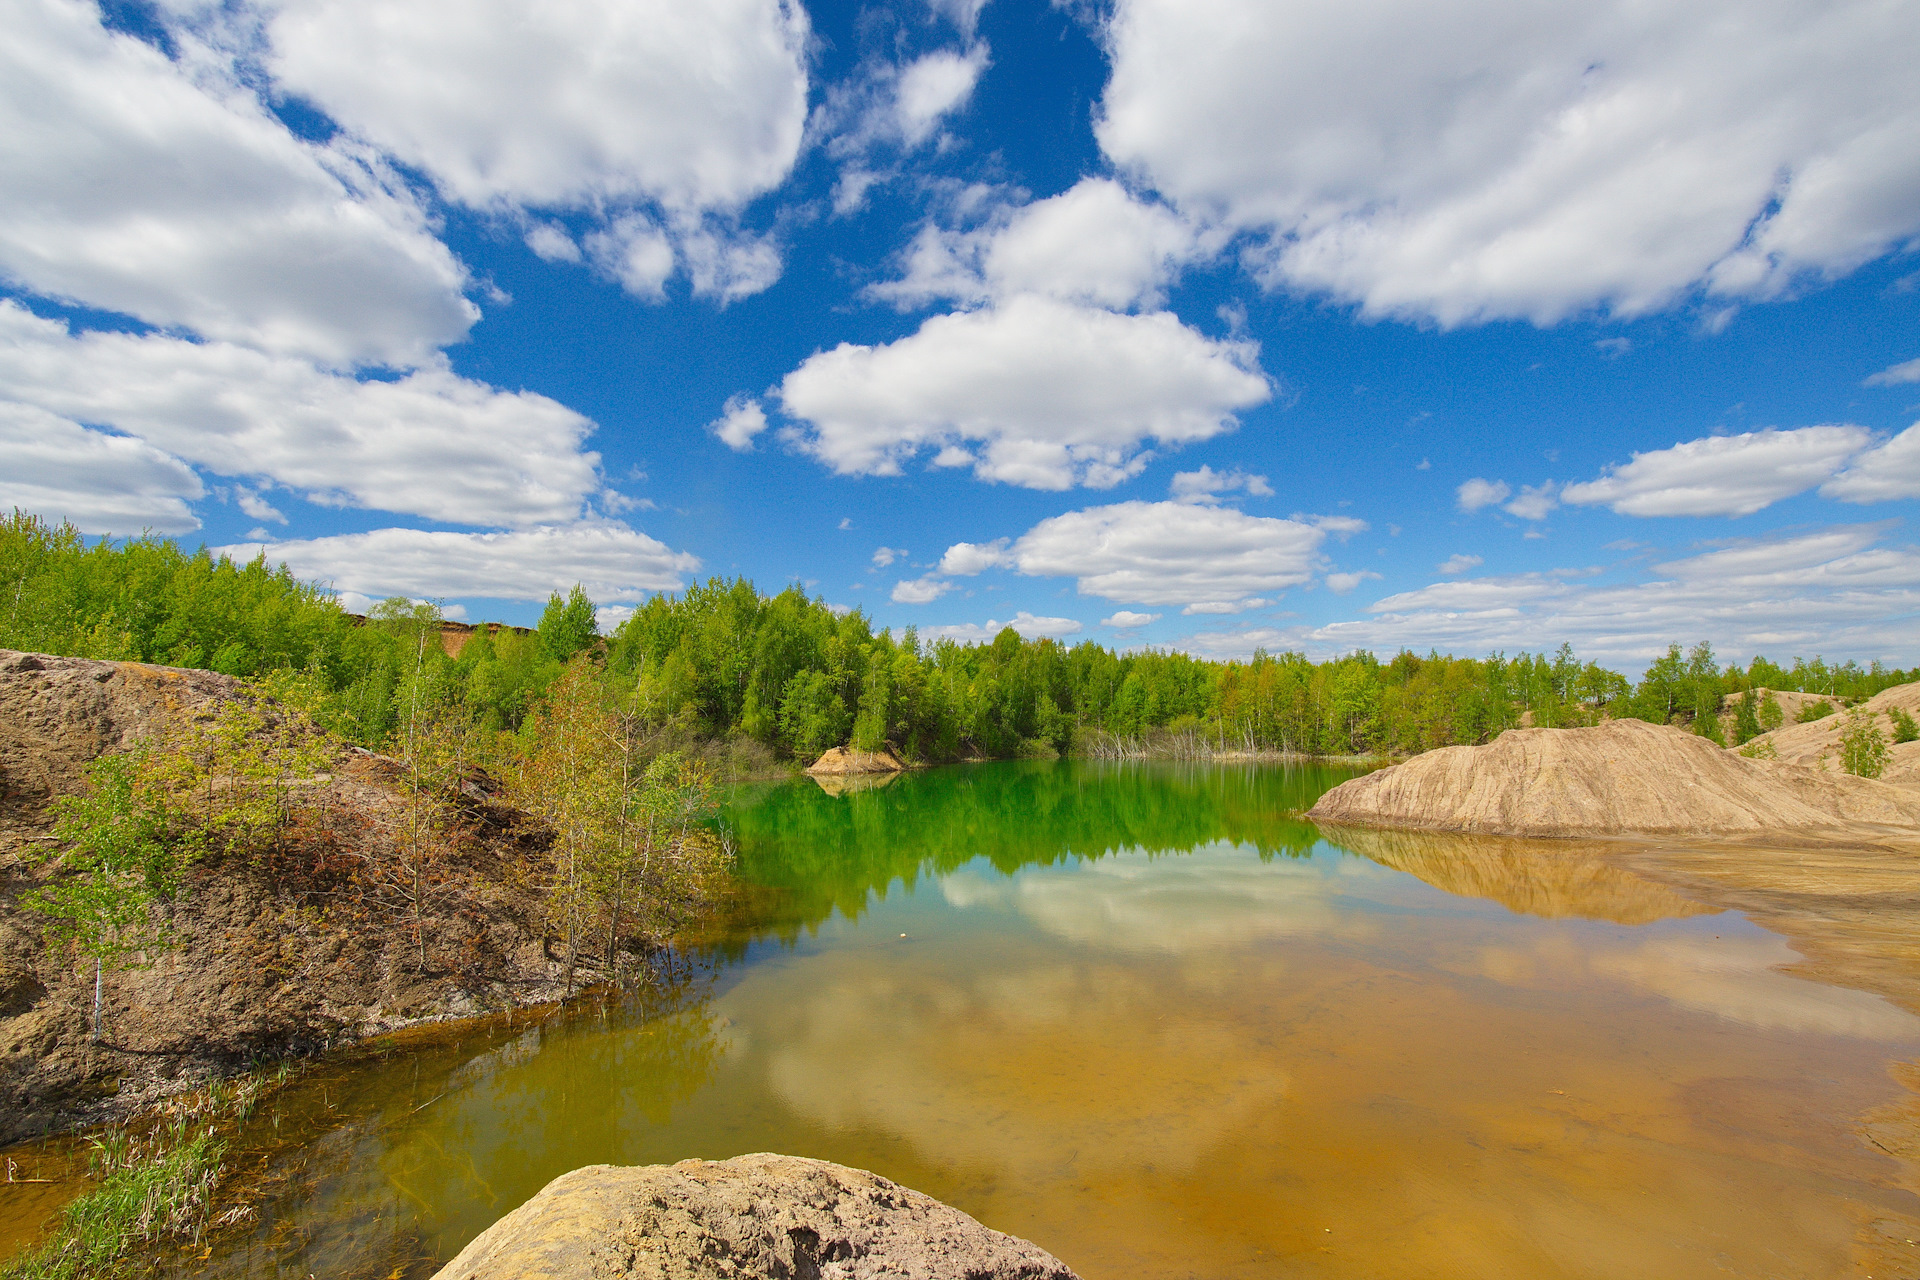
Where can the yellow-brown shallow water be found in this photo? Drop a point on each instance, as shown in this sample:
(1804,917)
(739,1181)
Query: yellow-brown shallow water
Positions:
(1144,1019)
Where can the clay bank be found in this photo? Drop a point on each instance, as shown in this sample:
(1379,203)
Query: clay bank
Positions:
(293,948)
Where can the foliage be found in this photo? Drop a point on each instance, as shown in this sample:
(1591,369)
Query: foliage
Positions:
(628,845)
(114,865)
(1863,752)
(1761,750)
(151,1189)
(1746,719)
(720,660)
(1904,729)
(1814,711)
(232,781)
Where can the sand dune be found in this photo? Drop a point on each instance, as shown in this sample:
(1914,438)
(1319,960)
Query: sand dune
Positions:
(1619,778)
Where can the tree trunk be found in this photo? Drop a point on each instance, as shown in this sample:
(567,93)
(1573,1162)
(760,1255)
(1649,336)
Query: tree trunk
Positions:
(97,981)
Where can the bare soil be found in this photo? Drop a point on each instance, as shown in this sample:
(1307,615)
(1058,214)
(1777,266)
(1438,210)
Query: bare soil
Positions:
(277,954)
(1624,777)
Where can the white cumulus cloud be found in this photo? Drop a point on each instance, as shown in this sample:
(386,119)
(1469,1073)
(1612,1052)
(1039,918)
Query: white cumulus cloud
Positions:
(1170,553)
(1882,474)
(1534,502)
(612,561)
(1843,591)
(1094,243)
(1026,624)
(923,590)
(431,444)
(1034,392)
(1513,159)
(1341,583)
(932,87)
(1477,493)
(741,419)
(1896,375)
(1722,475)
(1458,563)
(130,183)
(1206,485)
(59,470)
(577,104)
(1127,619)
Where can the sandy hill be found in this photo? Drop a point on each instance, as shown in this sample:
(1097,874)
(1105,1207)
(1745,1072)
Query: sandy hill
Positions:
(1622,777)
(1819,740)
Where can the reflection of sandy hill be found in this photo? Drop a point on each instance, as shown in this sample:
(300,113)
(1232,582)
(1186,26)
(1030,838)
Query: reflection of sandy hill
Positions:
(1819,740)
(1533,877)
(840,784)
(1621,777)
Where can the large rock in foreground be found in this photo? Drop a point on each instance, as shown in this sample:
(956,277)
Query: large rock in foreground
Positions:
(751,1216)
(1624,777)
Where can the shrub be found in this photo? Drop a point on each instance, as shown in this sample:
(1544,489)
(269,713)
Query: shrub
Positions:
(1863,752)
(1814,711)
(1760,751)
(1771,716)
(1904,730)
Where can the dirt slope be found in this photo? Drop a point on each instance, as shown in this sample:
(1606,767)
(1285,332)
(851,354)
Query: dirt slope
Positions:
(1623,777)
(275,954)
(1819,740)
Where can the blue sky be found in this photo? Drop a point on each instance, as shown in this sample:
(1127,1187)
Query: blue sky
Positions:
(1202,323)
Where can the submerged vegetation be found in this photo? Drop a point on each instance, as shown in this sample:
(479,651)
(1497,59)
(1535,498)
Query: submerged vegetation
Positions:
(723,662)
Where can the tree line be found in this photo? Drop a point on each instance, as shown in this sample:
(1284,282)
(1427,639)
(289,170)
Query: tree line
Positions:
(722,661)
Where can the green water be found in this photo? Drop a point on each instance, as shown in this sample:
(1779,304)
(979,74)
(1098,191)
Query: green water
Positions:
(1146,1017)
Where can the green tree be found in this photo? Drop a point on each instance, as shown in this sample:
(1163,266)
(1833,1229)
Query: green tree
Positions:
(114,864)
(1746,719)
(566,775)
(1904,729)
(567,626)
(1770,715)
(1863,752)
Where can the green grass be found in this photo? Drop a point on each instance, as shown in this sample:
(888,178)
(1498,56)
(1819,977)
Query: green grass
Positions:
(151,1189)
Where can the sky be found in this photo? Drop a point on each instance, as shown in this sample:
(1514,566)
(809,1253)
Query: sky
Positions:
(1202,324)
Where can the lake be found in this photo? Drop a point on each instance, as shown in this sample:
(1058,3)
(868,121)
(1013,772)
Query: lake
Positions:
(1146,1017)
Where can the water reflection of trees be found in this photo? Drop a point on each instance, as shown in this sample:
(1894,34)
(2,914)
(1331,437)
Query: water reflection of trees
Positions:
(821,853)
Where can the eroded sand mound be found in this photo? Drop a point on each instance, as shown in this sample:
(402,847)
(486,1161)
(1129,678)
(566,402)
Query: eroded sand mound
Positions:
(841,760)
(1623,777)
(757,1215)
(1818,741)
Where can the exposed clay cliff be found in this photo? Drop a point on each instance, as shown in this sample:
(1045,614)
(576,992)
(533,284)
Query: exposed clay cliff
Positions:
(276,953)
(755,1215)
(1619,778)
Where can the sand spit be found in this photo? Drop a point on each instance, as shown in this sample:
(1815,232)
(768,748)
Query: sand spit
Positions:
(1624,777)
(1818,741)
(837,761)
